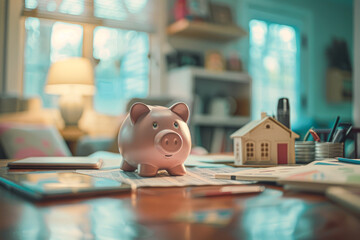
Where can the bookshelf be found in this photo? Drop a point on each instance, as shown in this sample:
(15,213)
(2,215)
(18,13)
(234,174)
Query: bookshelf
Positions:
(199,87)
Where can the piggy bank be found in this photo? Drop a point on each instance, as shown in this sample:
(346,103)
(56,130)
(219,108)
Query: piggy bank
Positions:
(153,138)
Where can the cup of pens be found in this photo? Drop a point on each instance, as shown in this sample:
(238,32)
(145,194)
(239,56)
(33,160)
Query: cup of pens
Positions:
(304,151)
(325,150)
(334,145)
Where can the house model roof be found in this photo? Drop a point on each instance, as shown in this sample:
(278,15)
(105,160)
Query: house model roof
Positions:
(254,124)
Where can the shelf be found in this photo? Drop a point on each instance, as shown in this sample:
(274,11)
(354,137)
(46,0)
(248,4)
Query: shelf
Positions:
(215,121)
(230,76)
(205,30)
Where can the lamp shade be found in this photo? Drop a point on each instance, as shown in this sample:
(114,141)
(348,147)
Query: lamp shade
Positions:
(71,76)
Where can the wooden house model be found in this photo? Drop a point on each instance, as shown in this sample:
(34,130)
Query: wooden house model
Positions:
(264,142)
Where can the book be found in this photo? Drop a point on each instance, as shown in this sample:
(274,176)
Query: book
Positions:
(57,163)
(55,185)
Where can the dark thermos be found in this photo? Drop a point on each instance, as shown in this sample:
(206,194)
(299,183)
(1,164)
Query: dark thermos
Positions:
(283,112)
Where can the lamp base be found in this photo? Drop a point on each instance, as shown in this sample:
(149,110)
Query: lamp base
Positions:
(71,109)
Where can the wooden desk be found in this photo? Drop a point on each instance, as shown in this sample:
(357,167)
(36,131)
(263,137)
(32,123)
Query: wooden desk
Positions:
(148,214)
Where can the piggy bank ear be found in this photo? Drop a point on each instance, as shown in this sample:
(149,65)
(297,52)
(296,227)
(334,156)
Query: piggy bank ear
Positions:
(136,110)
(181,109)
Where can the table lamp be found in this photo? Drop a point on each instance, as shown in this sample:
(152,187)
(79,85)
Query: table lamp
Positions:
(72,79)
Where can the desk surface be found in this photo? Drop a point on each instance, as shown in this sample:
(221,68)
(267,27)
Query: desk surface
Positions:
(147,213)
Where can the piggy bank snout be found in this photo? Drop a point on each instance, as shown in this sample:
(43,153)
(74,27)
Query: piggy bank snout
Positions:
(168,142)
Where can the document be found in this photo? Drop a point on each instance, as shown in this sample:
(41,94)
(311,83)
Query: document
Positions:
(193,177)
(317,178)
(270,174)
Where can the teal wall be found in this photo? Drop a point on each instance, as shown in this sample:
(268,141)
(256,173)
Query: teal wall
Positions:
(325,19)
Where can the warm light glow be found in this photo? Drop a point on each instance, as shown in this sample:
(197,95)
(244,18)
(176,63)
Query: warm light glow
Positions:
(72,75)
(70,89)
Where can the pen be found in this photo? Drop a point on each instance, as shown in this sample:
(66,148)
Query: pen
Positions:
(346,134)
(349,160)
(336,123)
(314,135)
(224,191)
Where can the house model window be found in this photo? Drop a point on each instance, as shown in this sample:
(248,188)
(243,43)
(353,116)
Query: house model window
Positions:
(265,151)
(267,126)
(250,151)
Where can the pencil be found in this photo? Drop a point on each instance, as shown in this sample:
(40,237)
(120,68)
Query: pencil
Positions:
(314,135)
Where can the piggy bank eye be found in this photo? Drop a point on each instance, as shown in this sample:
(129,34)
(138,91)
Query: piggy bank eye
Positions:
(176,125)
(155,125)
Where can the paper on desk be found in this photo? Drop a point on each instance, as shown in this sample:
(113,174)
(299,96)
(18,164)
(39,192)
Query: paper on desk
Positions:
(193,177)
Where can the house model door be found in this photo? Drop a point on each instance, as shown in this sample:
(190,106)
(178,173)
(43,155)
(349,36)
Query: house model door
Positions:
(282,153)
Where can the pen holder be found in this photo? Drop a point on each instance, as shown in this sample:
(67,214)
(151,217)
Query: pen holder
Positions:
(325,150)
(304,151)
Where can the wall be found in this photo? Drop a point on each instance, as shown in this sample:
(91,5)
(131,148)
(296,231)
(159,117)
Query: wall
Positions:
(326,19)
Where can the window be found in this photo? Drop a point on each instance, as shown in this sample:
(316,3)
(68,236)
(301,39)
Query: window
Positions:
(265,151)
(73,7)
(237,149)
(47,42)
(250,151)
(274,66)
(122,72)
(122,69)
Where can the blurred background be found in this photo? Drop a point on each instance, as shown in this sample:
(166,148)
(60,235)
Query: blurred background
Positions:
(229,60)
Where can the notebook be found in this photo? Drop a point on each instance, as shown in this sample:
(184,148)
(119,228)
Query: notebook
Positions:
(55,185)
(57,163)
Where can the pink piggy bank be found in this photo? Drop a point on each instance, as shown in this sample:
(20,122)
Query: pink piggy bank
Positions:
(153,138)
